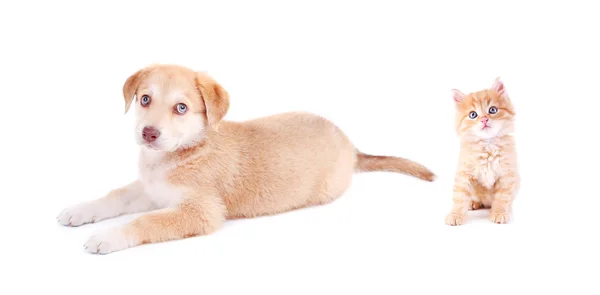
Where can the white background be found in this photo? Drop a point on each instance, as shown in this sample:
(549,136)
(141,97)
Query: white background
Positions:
(382,71)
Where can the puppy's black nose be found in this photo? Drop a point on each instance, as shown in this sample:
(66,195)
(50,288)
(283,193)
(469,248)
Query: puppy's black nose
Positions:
(150,134)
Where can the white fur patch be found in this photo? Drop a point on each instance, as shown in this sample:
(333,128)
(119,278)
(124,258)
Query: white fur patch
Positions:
(129,199)
(487,170)
(107,242)
(78,214)
(494,129)
(154,179)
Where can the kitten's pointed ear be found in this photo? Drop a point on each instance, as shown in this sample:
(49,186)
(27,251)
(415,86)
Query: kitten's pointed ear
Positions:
(457,95)
(498,86)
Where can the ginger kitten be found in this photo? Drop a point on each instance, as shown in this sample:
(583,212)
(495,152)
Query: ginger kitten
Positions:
(486,175)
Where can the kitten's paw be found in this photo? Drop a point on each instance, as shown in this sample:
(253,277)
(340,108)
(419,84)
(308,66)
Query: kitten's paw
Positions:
(475,205)
(455,219)
(107,242)
(499,217)
(76,215)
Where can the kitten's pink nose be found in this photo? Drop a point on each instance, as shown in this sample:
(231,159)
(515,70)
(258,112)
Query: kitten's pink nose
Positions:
(485,121)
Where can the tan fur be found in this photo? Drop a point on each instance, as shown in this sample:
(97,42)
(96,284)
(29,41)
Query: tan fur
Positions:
(243,169)
(487,174)
(368,163)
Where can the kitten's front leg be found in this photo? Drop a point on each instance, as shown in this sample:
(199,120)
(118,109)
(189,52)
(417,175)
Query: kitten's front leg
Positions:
(504,191)
(198,215)
(126,200)
(463,190)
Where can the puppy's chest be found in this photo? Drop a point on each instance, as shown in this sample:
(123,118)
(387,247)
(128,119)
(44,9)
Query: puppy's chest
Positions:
(155,179)
(487,166)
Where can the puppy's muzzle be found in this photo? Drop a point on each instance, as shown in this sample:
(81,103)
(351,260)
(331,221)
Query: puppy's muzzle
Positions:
(150,134)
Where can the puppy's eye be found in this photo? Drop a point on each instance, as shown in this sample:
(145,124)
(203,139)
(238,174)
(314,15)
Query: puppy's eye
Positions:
(145,100)
(473,115)
(181,108)
(493,110)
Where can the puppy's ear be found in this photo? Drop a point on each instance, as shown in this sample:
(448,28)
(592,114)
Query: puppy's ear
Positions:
(131,85)
(216,98)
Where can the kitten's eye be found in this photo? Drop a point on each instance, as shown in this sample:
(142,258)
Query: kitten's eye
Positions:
(473,115)
(145,100)
(181,108)
(493,110)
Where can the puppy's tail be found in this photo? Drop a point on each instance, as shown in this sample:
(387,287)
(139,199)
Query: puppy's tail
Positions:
(369,163)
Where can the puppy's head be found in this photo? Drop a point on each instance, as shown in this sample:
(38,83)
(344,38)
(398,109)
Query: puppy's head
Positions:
(174,106)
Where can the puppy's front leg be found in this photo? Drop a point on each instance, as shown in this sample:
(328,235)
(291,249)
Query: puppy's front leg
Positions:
(126,200)
(194,216)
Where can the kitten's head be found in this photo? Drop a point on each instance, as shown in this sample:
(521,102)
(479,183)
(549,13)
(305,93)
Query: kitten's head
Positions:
(484,114)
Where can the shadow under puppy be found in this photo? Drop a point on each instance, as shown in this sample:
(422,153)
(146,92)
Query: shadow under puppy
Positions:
(196,171)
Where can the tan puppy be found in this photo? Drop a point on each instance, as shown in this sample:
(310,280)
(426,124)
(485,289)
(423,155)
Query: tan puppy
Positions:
(200,171)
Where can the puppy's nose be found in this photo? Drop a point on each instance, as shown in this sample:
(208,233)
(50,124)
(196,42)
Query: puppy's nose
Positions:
(150,134)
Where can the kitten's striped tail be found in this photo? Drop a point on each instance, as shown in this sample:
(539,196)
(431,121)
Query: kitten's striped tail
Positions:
(369,163)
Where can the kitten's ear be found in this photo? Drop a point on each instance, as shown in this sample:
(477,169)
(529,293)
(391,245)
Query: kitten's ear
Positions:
(457,95)
(498,86)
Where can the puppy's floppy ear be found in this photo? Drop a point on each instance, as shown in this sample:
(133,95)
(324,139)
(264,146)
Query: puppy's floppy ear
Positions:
(131,85)
(216,98)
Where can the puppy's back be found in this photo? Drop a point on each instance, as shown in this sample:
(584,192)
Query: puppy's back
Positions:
(287,161)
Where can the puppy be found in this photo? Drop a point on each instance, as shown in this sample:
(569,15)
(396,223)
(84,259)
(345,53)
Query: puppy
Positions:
(196,171)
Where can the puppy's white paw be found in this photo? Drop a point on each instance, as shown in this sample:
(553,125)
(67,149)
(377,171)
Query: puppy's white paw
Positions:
(107,242)
(77,215)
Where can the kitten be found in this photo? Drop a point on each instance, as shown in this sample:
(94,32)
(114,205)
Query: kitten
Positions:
(487,175)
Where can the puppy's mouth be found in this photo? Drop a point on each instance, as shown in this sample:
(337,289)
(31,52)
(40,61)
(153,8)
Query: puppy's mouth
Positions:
(155,146)
(151,145)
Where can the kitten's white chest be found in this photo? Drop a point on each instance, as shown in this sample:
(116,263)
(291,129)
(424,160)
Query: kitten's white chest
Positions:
(154,178)
(488,165)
